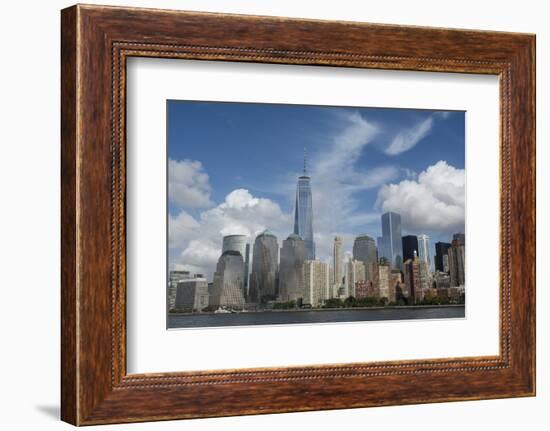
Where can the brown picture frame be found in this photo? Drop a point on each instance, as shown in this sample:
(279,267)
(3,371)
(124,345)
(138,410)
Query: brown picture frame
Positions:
(95,43)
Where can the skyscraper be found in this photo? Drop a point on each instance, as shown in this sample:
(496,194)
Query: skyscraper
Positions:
(416,279)
(265,262)
(291,275)
(424,249)
(391,238)
(461,238)
(228,288)
(303,215)
(456,263)
(441,249)
(239,243)
(337,261)
(356,271)
(410,245)
(364,250)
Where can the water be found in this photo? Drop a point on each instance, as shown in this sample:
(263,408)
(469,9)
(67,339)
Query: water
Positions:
(319,316)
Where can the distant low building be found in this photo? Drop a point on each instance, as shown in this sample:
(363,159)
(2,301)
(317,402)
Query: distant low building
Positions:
(192,294)
(175,277)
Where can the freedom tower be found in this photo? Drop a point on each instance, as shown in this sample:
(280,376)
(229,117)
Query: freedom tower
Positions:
(303,215)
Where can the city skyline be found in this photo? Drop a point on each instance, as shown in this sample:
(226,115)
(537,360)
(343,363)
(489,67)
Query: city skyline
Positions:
(201,208)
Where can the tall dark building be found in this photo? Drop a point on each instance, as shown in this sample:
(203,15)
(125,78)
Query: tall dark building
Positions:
(441,249)
(410,245)
(303,215)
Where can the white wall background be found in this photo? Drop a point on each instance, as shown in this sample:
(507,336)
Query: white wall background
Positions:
(29,217)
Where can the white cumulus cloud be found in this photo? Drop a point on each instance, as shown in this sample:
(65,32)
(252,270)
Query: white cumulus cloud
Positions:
(196,243)
(434,202)
(188,184)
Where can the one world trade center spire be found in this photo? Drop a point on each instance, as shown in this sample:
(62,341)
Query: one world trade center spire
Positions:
(303,215)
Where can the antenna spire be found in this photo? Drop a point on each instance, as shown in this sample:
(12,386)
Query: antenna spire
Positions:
(305,161)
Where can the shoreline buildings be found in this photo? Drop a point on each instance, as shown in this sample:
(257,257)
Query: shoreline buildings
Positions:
(397,271)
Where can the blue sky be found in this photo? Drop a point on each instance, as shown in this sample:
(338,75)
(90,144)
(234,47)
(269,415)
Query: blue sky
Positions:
(233,163)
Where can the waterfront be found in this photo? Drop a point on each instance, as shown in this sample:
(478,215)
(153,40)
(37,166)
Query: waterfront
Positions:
(205,320)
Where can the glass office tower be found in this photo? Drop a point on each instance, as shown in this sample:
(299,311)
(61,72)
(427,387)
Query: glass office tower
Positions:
(303,215)
(391,236)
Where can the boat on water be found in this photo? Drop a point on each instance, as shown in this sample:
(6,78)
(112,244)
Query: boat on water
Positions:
(221,310)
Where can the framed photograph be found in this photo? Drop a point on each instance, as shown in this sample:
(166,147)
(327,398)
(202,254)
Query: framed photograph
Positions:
(265,215)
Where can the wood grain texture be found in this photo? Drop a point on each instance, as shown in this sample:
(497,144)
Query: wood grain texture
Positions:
(96,41)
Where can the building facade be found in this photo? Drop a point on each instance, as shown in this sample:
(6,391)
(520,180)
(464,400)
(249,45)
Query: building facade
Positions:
(291,274)
(441,249)
(228,288)
(337,261)
(355,272)
(424,249)
(391,239)
(241,244)
(417,279)
(173,278)
(364,250)
(265,265)
(192,294)
(460,237)
(303,213)
(316,282)
(457,263)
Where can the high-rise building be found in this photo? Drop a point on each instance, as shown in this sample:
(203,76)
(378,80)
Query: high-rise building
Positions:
(424,249)
(303,213)
(440,253)
(391,239)
(174,278)
(265,266)
(364,250)
(337,261)
(381,280)
(456,263)
(396,286)
(410,246)
(355,272)
(417,279)
(228,289)
(239,243)
(460,237)
(192,294)
(316,282)
(291,275)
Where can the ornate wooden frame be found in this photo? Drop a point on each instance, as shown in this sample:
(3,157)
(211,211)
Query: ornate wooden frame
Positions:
(95,43)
